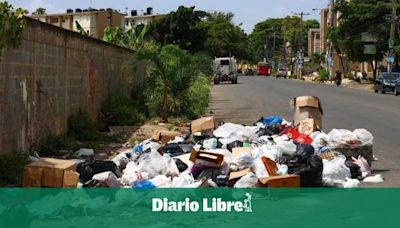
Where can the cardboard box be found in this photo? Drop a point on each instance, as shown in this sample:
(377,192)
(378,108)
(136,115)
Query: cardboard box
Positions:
(203,124)
(270,165)
(235,176)
(308,126)
(307,101)
(50,172)
(214,159)
(284,181)
(164,136)
(307,107)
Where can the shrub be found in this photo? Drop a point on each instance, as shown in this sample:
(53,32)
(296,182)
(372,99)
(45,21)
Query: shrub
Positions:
(323,75)
(118,110)
(198,97)
(52,145)
(12,168)
(81,127)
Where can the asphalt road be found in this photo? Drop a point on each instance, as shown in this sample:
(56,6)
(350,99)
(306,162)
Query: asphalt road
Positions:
(344,108)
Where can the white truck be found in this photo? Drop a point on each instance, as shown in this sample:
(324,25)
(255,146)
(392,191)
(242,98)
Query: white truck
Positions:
(225,69)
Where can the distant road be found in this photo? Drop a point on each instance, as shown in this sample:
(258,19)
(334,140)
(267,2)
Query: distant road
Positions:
(345,108)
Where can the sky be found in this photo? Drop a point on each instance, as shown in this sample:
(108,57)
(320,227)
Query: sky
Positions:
(247,12)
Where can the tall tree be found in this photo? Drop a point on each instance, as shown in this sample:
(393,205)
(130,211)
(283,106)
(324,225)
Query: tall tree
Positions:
(134,38)
(224,38)
(39,11)
(181,27)
(362,16)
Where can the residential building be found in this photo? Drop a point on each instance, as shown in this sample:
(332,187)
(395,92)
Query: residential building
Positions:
(134,19)
(314,41)
(92,21)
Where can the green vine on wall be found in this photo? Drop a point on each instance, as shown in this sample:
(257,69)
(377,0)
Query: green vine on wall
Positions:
(12,26)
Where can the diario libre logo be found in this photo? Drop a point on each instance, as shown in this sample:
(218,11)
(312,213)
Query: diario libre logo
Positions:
(206,205)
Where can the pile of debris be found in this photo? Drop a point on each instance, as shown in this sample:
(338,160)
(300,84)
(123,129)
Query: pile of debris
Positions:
(271,153)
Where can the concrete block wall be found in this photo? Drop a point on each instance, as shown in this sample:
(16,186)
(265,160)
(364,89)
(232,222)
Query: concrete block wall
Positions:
(53,74)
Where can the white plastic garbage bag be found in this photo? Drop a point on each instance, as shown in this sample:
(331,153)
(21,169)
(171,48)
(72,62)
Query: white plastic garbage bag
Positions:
(268,151)
(339,138)
(320,139)
(227,130)
(282,169)
(335,172)
(148,144)
(365,137)
(243,161)
(131,174)
(121,159)
(178,139)
(155,164)
(183,180)
(108,178)
(249,180)
(374,179)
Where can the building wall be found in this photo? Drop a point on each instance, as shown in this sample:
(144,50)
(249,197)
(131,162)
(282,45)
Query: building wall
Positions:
(53,74)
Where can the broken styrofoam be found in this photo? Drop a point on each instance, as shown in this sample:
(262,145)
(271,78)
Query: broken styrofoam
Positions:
(374,179)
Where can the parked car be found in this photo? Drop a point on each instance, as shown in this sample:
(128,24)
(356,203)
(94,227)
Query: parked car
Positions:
(397,88)
(281,73)
(249,71)
(386,82)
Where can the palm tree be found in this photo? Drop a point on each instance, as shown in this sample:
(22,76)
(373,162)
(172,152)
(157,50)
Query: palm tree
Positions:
(174,68)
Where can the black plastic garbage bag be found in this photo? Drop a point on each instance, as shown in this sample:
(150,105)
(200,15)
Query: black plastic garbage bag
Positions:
(172,149)
(309,168)
(234,144)
(90,168)
(186,147)
(180,164)
(304,150)
(269,130)
(355,170)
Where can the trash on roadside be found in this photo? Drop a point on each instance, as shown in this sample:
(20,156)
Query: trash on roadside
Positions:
(83,152)
(50,172)
(273,153)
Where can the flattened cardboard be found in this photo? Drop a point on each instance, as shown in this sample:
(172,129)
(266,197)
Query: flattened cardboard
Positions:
(284,181)
(239,174)
(304,113)
(308,126)
(214,158)
(47,172)
(164,136)
(203,124)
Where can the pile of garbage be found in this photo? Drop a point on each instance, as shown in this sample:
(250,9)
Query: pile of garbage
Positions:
(271,153)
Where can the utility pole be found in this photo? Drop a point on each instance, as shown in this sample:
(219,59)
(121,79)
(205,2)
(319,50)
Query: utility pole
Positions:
(300,52)
(390,58)
(330,48)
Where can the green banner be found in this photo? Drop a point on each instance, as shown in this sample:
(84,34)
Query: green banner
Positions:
(326,207)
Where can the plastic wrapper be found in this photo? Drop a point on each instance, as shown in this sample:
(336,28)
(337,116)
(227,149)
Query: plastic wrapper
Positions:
(210,144)
(259,168)
(249,180)
(363,164)
(374,179)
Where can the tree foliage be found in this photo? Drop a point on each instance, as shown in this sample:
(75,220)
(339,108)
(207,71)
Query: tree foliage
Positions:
(357,17)
(224,38)
(39,11)
(282,30)
(181,27)
(12,26)
(134,38)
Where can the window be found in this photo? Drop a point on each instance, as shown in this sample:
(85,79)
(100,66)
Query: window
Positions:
(126,22)
(53,20)
(108,21)
(224,62)
(318,36)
